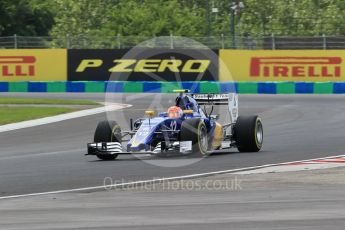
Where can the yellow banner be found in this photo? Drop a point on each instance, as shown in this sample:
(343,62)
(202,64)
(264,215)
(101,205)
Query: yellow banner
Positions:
(282,65)
(33,65)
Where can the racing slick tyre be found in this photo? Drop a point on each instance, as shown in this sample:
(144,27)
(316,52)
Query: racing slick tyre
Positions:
(195,130)
(248,133)
(107,131)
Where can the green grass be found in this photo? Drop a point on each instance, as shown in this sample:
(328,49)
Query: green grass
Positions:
(43,101)
(15,114)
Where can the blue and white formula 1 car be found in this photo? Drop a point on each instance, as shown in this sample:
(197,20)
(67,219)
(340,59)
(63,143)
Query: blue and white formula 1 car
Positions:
(186,128)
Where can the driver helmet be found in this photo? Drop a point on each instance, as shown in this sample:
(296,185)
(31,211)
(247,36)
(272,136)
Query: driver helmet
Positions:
(175,112)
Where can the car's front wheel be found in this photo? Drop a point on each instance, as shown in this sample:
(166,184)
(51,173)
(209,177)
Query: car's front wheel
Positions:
(107,131)
(195,130)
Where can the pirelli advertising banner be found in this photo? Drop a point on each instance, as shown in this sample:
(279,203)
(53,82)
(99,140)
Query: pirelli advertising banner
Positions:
(141,64)
(147,64)
(33,65)
(291,65)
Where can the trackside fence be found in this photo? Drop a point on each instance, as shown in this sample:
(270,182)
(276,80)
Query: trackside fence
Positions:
(214,42)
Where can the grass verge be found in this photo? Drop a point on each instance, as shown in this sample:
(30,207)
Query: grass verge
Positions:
(16,114)
(43,101)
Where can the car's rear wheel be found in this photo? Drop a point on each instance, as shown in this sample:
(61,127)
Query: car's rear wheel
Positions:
(107,131)
(248,132)
(195,130)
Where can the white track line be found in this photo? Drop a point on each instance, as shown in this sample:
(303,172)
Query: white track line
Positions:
(62,117)
(191,176)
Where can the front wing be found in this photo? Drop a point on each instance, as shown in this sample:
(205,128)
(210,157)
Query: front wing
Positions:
(116,148)
(183,147)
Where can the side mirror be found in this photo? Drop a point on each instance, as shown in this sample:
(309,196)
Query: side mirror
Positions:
(150,113)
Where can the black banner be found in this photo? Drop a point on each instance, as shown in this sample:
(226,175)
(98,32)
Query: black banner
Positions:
(142,65)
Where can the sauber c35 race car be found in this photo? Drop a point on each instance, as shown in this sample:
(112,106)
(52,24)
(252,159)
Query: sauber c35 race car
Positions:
(186,128)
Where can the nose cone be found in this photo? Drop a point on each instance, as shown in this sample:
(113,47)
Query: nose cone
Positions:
(143,137)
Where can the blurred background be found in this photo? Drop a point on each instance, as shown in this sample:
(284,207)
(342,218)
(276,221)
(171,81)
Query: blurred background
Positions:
(246,24)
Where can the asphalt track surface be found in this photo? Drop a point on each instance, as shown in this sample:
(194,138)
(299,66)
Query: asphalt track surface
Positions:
(51,157)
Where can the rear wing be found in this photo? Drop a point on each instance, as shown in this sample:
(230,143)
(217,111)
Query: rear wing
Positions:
(230,99)
(211,99)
